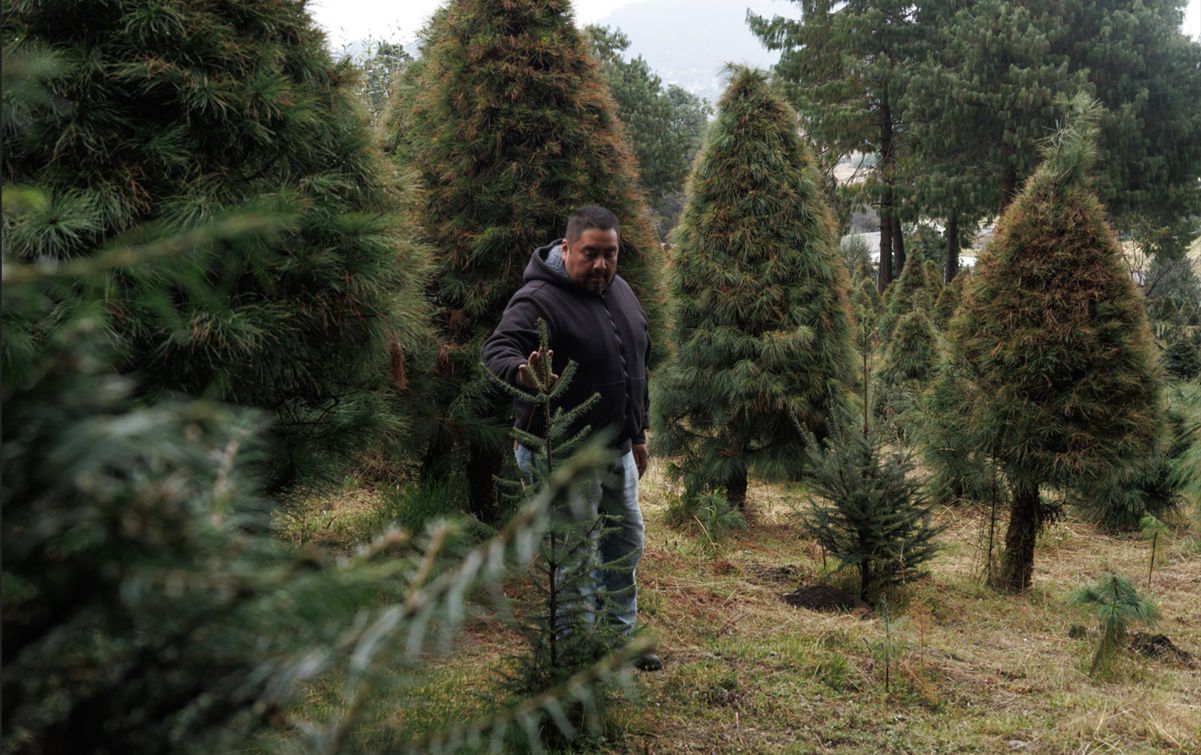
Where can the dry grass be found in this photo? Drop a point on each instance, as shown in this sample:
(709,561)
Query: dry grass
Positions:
(982,672)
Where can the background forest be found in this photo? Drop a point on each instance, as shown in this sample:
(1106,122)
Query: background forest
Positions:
(925,301)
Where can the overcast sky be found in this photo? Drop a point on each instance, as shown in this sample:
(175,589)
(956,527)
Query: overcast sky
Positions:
(350,20)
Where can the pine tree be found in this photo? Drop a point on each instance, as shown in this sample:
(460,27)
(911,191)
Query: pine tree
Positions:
(906,373)
(664,123)
(948,301)
(848,65)
(170,114)
(559,619)
(868,511)
(1181,359)
(1116,604)
(1053,342)
(911,292)
(960,470)
(763,323)
(992,85)
(512,129)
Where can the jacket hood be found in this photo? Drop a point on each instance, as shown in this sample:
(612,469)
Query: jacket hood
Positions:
(546,264)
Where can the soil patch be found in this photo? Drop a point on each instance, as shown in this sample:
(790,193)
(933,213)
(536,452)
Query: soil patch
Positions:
(826,598)
(1161,647)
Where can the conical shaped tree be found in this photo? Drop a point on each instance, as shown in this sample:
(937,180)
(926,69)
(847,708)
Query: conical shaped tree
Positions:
(1061,386)
(907,293)
(763,324)
(906,372)
(948,300)
(173,113)
(513,128)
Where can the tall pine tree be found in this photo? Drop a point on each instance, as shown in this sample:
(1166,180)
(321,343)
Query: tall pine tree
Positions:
(170,114)
(1061,387)
(763,325)
(848,66)
(513,128)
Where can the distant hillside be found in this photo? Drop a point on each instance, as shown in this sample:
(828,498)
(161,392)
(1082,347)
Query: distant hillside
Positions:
(688,41)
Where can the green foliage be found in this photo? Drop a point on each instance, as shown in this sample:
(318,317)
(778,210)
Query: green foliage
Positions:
(1053,346)
(383,65)
(763,325)
(166,116)
(512,127)
(993,81)
(912,291)
(664,124)
(1173,280)
(959,470)
(948,300)
(906,373)
(147,608)
(1186,469)
(710,512)
(856,256)
(1182,359)
(1116,604)
(868,511)
(1148,486)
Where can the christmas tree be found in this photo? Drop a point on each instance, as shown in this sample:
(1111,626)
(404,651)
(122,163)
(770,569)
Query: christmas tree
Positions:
(763,324)
(1060,384)
(512,129)
(165,115)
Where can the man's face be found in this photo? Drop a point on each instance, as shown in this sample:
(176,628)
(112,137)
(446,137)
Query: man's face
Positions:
(591,260)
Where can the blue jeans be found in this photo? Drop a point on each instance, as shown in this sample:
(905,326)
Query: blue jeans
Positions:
(614,495)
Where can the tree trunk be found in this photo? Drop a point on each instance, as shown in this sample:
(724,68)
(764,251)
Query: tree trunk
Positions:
(886,272)
(736,490)
(483,466)
(1017,566)
(898,246)
(952,264)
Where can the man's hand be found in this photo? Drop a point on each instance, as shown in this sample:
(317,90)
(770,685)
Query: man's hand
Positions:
(641,458)
(534,367)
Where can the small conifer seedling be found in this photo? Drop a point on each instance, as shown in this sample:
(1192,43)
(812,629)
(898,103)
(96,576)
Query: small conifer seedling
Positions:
(1116,604)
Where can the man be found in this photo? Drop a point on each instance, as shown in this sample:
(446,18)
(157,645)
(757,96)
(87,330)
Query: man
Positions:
(593,319)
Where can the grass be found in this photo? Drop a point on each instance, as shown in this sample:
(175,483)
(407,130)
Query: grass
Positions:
(746,672)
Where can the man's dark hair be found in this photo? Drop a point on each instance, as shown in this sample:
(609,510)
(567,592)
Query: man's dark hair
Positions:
(590,216)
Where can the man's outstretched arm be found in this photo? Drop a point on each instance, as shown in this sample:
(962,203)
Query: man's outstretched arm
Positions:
(513,345)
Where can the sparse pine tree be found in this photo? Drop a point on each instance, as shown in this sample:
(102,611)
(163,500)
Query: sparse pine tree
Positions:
(562,620)
(1151,528)
(1053,344)
(868,511)
(512,129)
(1116,604)
(171,114)
(763,325)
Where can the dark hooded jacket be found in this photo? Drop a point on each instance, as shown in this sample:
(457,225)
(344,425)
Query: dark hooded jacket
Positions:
(604,334)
